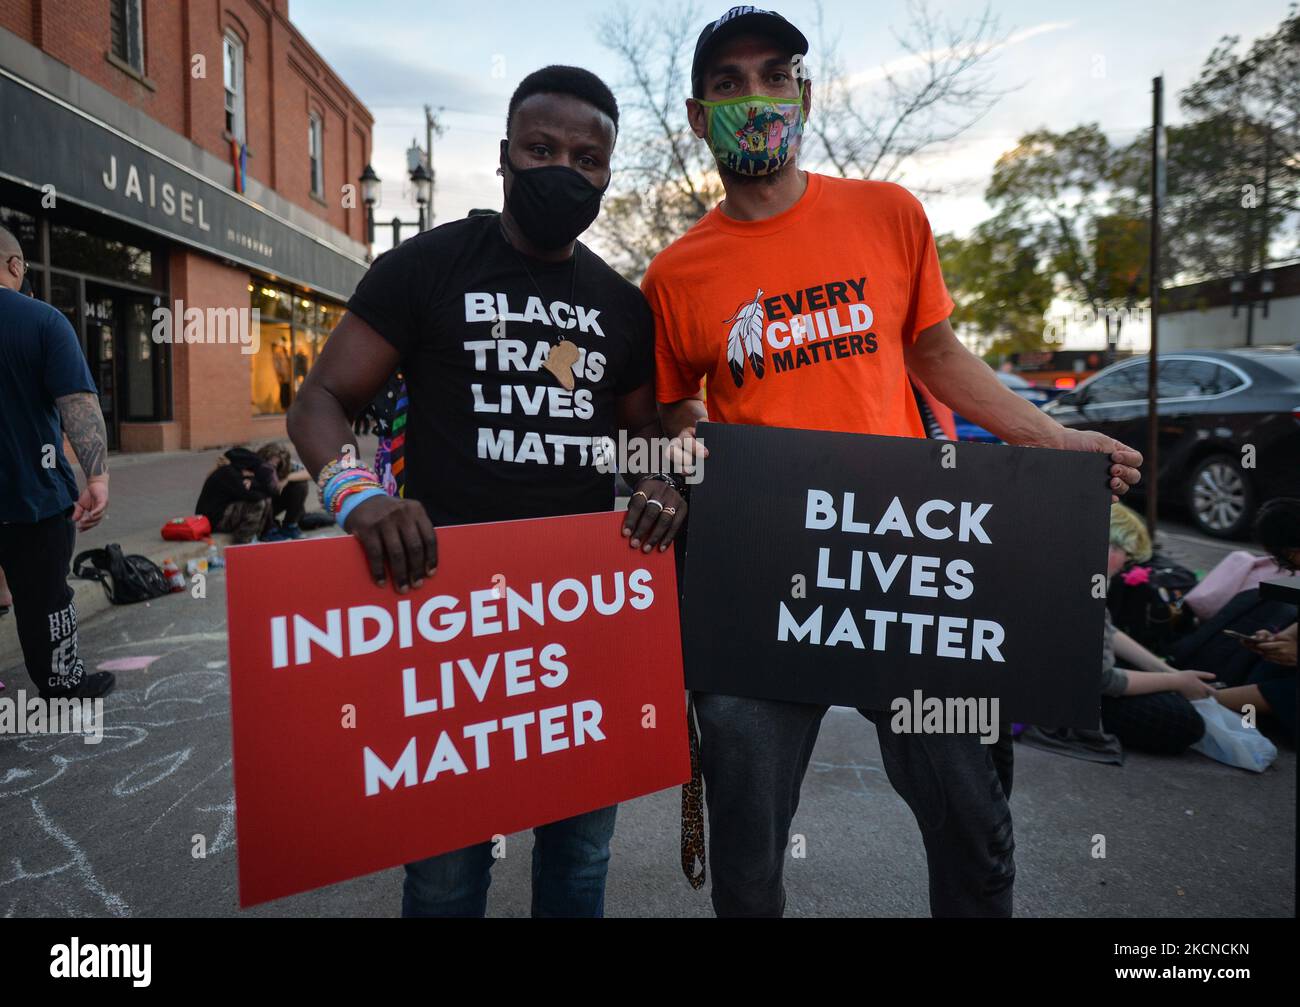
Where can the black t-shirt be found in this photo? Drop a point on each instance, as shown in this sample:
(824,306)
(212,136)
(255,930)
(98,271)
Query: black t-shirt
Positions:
(491,435)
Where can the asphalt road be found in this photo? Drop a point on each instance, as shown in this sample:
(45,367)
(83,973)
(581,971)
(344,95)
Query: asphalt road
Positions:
(109,829)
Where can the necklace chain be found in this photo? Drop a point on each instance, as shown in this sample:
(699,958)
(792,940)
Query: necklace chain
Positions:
(573,281)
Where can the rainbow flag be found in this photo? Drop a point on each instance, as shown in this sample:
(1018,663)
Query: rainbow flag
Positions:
(239,157)
(397,448)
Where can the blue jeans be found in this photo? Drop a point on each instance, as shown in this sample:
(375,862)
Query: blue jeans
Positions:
(570,859)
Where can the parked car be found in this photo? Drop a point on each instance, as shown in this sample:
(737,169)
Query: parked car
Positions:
(1229,433)
(968,431)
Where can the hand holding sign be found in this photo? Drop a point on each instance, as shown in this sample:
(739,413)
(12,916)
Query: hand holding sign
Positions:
(874,567)
(509,691)
(396,534)
(1125,461)
(655,514)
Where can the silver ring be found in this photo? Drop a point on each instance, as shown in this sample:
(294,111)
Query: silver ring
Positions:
(648,502)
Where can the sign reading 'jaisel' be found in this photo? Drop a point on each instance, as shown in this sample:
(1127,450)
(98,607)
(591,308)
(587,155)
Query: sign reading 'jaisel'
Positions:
(81,160)
(853,570)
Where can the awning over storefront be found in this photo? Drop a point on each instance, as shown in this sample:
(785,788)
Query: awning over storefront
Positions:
(48,142)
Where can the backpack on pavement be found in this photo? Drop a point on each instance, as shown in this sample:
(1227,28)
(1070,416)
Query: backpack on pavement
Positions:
(1146,602)
(126,579)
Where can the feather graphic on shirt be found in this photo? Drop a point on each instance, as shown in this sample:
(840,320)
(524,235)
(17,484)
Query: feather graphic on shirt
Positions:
(746,340)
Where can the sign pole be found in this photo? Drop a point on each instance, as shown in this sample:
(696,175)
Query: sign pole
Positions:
(1153,387)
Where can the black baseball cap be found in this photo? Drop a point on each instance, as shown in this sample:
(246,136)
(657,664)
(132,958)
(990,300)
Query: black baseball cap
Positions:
(745,20)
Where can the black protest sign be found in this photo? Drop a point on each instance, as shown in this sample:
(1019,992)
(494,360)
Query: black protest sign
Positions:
(851,570)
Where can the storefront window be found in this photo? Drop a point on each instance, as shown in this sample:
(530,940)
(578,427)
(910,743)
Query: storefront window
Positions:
(66,297)
(331,315)
(23,227)
(293,331)
(138,353)
(75,250)
(273,303)
(306,313)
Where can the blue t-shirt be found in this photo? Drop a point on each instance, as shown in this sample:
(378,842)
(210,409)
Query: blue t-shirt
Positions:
(40,361)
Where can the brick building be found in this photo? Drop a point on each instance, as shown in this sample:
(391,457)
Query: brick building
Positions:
(183,154)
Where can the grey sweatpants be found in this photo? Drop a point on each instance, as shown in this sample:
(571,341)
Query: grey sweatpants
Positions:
(753,755)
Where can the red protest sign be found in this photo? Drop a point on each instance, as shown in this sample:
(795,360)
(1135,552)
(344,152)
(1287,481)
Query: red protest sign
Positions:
(536,676)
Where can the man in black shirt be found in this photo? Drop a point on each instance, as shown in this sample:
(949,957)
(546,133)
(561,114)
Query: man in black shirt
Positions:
(524,354)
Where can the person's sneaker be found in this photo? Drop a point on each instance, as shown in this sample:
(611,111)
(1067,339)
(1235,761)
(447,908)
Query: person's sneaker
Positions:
(291,531)
(95,684)
(275,534)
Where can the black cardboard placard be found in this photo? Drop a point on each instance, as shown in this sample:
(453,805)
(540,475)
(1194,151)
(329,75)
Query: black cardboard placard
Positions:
(1018,617)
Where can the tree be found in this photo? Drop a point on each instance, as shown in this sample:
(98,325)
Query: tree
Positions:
(666,179)
(1072,193)
(1000,291)
(1234,169)
(922,102)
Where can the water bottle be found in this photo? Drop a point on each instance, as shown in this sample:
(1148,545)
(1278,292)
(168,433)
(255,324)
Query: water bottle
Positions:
(175,579)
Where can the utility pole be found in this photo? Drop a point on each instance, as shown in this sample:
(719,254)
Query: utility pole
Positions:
(1262,210)
(1152,462)
(1264,221)
(432,128)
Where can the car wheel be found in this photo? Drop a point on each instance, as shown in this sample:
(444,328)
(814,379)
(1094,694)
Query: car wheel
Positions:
(1220,498)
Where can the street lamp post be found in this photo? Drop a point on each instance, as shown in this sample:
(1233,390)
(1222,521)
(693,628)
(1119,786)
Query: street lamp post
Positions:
(423,182)
(1242,296)
(370,197)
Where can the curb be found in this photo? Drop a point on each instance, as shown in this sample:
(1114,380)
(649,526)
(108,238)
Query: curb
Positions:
(91,600)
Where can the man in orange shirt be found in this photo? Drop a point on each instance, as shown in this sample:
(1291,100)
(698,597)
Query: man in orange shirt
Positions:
(805,300)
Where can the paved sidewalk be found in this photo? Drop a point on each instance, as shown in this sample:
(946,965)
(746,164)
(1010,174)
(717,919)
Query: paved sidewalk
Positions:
(109,829)
(145,490)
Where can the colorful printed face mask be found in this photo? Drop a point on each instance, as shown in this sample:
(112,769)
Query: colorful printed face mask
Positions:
(754,135)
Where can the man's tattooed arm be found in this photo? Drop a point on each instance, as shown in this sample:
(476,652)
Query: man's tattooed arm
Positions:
(83,422)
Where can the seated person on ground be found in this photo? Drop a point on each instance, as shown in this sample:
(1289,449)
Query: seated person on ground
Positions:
(1268,685)
(1145,703)
(289,483)
(235,497)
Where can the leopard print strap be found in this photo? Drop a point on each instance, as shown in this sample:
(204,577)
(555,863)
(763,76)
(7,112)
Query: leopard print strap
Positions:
(693,808)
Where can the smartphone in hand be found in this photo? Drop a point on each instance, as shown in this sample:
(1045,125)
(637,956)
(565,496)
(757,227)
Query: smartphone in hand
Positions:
(1245,639)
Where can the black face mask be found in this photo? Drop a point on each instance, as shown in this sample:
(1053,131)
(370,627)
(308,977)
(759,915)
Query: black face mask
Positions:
(552,205)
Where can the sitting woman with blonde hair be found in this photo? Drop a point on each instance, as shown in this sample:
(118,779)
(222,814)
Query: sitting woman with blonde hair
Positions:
(1146,703)
(287,482)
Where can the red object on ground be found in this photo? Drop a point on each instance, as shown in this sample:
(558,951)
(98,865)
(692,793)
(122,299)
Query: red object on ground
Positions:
(194,528)
(537,675)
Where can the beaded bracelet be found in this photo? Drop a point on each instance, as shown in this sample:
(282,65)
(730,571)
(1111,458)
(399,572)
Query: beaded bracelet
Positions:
(664,477)
(338,481)
(331,469)
(340,494)
(671,481)
(352,501)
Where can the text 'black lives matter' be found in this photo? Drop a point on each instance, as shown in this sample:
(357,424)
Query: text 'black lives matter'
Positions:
(847,569)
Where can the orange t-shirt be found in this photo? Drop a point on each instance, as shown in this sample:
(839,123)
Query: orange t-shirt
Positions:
(800,320)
